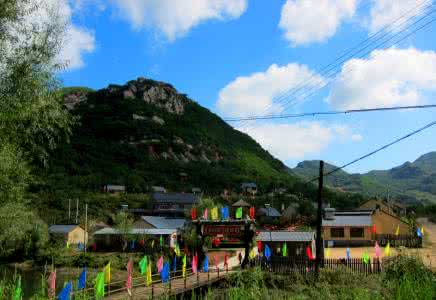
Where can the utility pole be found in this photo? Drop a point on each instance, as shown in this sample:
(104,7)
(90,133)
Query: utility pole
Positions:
(77,210)
(319,241)
(86,226)
(69,211)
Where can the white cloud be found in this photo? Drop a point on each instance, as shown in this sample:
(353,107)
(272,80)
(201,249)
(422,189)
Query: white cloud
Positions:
(387,78)
(76,40)
(253,94)
(175,18)
(304,22)
(385,12)
(295,141)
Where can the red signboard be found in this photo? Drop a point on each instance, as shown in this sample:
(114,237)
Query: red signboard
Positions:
(225,230)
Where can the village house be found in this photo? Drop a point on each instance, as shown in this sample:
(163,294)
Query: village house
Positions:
(173,204)
(160,222)
(268,214)
(114,189)
(356,227)
(393,208)
(249,188)
(296,242)
(71,234)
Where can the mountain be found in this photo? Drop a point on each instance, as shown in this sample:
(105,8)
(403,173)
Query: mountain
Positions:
(411,182)
(145,133)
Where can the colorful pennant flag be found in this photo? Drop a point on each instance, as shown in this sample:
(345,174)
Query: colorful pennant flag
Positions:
(184,266)
(214,213)
(215,259)
(66,291)
(252,213)
(327,252)
(252,254)
(193,213)
(348,253)
(422,230)
(107,273)
(224,213)
(177,250)
(175,264)
(285,249)
(82,280)
(267,252)
(132,245)
(148,279)
(206,214)
(165,274)
(194,263)
(397,231)
(18,290)
(259,246)
(365,257)
(377,249)
(206,264)
(99,285)
(129,276)
(68,244)
(374,229)
(159,264)
(143,265)
(152,244)
(51,284)
(309,253)
(161,241)
(418,232)
(239,213)
(388,250)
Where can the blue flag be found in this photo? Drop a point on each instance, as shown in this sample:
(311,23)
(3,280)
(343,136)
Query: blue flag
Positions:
(82,279)
(66,291)
(175,263)
(224,212)
(206,264)
(348,253)
(165,273)
(132,245)
(79,246)
(418,232)
(267,252)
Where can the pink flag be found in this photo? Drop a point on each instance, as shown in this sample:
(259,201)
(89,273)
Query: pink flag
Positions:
(377,249)
(205,214)
(160,264)
(129,275)
(216,262)
(194,263)
(52,284)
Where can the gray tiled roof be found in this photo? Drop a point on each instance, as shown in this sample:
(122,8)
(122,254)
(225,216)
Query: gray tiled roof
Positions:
(268,212)
(164,223)
(61,228)
(136,231)
(286,236)
(349,220)
(183,198)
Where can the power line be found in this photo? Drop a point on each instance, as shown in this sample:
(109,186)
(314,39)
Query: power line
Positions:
(376,151)
(332,112)
(347,55)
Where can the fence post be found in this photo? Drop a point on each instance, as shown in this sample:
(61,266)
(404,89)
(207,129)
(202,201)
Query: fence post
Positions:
(208,276)
(218,270)
(184,282)
(198,277)
(152,290)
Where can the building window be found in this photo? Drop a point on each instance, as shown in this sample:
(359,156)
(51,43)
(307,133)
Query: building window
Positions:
(337,232)
(356,232)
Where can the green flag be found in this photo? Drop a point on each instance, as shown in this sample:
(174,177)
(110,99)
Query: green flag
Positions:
(99,286)
(285,249)
(161,240)
(18,291)
(143,265)
(239,213)
(365,257)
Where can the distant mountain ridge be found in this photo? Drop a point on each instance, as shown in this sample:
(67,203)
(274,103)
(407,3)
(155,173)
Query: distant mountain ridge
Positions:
(411,182)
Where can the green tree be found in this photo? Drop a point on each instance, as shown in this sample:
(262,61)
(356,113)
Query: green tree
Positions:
(123,222)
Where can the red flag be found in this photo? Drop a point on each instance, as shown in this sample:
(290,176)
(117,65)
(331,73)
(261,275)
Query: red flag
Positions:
(160,264)
(52,284)
(374,229)
(259,246)
(216,262)
(225,260)
(94,247)
(129,276)
(194,263)
(193,213)
(252,211)
(142,242)
(309,253)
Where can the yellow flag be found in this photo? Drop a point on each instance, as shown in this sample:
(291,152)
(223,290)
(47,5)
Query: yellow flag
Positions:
(397,232)
(68,244)
(422,230)
(388,250)
(184,266)
(107,273)
(148,279)
(152,244)
(252,254)
(327,252)
(214,213)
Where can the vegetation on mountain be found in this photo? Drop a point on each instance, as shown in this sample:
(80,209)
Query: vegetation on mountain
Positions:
(412,182)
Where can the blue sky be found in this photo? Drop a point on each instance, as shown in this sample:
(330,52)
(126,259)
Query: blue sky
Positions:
(237,57)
